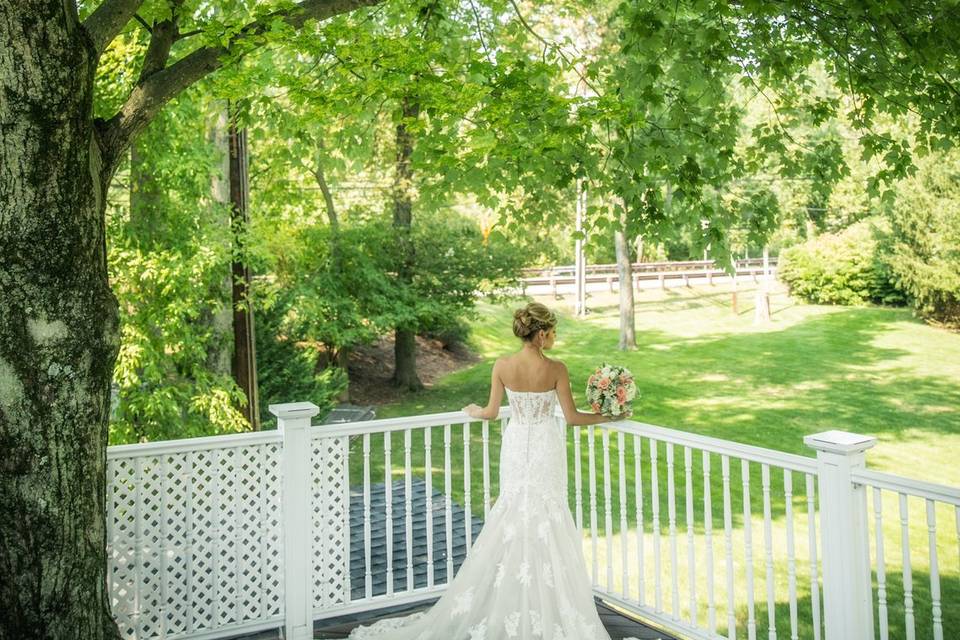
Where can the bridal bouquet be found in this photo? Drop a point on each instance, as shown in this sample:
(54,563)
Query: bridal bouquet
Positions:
(610,389)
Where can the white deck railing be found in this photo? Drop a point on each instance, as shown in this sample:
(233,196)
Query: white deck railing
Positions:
(214,537)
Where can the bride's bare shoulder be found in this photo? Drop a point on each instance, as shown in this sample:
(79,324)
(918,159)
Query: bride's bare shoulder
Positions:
(557,366)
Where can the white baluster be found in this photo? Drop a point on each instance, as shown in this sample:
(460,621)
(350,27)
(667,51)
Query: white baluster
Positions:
(594,565)
(907,571)
(388,508)
(577,479)
(607,507)
(408,505)
(791,554)
(367,574)
(467,514)
(748,549)
(655,508)
(638,514)
(728,533)
(768,550)
(672,522)
(428,476)
(624,565)
(708,535)
(934,571)
(814,571)
(881,565)
(691,564)
(448,501)
(485,435)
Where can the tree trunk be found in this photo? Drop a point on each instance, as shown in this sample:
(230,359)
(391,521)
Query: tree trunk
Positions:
(59,331)
(340,357)
(405,345)
(220,352)
(625,273)
(320,176)
(59,321)
(244,343)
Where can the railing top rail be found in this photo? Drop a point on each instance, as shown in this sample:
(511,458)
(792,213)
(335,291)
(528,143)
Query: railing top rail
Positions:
(381,425)
(192,444)
(772,457)
(909,486)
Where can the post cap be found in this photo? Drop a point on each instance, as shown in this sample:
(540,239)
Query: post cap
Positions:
(839,442)
(292,410)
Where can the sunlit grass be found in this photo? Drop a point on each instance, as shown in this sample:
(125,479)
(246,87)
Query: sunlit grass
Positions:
(701,368)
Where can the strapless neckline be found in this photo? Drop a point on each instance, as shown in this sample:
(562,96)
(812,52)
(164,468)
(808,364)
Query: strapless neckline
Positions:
(535,392)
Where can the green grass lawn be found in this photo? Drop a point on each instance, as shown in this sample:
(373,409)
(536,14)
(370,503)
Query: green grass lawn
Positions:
(700,368)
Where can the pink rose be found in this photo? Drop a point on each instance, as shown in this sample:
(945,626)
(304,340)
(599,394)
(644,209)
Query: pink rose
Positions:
(595,406)
(621,394)
(604,383)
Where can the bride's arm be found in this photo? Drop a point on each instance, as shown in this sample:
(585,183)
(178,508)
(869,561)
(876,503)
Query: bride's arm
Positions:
(570,412)
(492,410)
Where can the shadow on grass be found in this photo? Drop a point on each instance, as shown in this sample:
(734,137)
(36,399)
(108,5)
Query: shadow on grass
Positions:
(767,388)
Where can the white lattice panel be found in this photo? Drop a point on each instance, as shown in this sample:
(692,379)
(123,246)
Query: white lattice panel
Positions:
(331,533)
(194,540)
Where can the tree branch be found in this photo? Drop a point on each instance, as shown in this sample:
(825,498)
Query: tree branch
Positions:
(108,20)
(154,91)
(162,36)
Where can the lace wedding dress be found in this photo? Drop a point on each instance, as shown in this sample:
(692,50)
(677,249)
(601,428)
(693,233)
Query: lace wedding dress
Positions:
(525,576)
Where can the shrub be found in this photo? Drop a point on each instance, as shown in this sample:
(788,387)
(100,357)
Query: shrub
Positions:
(287,370)
(841,268)
(924,243)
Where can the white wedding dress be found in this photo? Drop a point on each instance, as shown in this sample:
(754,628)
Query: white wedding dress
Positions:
(525,576)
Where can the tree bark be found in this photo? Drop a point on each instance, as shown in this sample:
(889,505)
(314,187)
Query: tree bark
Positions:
(59,320)
(244,364)
(405,344)
(220,352)
(321,178)
(628,339)
(59,331)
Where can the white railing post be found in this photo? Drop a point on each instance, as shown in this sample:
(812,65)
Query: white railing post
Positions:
(848,609)
(293,421)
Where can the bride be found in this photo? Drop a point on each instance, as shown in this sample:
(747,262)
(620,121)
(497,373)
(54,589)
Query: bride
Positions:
(525,576)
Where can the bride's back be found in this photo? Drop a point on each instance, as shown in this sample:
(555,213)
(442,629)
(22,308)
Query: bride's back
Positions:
(526,371)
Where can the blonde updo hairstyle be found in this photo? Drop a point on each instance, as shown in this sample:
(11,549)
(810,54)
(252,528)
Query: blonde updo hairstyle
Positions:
(530,319)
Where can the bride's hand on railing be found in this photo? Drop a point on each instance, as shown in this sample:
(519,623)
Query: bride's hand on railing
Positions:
(472,410)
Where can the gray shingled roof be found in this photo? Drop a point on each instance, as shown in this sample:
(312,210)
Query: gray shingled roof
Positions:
(378,548)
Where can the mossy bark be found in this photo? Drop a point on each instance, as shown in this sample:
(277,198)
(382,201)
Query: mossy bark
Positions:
(59,331)
(59,321)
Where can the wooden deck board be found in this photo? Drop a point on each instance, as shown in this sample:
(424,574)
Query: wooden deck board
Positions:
(618,625)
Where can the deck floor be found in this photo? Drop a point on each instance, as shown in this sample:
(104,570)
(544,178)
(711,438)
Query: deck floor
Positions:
(618,625)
